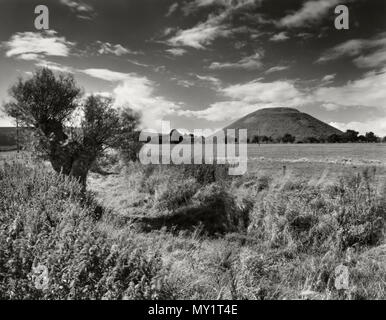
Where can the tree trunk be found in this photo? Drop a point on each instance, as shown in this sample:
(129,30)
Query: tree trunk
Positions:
(81,166)
(73,164)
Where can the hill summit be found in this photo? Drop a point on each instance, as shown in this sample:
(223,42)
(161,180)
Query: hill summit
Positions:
(277,122)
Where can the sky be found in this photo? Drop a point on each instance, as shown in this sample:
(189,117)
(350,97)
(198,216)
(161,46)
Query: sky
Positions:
(203,64)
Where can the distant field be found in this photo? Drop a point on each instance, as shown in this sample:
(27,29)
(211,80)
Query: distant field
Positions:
(7,148)
(353,153)
(7,136)
(316,161)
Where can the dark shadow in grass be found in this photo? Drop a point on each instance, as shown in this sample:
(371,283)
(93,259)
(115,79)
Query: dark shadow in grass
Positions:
(212,219)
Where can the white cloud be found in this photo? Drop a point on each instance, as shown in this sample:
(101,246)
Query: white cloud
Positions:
(213,80)
(366,91)
(276,69)
(249,63)
(248,97)
(378,126)
(137,93)
(282,36)
(53,66)
(375,59)
(311,12)
(328,78)
(82,9)
(116,49)
(267,92)
(36,45)
(184,83)
(222,111)
(106,74)
(137,63)
(202,34)
(227,4)
(356,47)
(176,51)
(172,9)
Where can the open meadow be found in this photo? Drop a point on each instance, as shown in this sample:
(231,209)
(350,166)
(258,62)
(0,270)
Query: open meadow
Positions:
(193,232)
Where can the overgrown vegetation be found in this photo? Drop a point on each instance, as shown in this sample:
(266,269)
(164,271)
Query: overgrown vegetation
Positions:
(51,248)
(178,237)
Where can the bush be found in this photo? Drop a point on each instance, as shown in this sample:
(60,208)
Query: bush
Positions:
(176,194)
(51,247)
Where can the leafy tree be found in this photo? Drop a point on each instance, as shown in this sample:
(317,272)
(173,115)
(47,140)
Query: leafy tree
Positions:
(127,141)
(288,138)
(70,133)
(371,137)
(255,139)
(334,138)
(311,140)
(362,138)
(266,139)
(350,136)
(384,139)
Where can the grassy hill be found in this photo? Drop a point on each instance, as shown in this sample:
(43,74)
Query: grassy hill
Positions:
(276,122)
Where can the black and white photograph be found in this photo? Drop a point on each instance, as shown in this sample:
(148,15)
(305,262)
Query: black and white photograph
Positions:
(192,150)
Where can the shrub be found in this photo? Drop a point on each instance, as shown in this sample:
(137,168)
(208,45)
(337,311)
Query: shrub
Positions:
(51,248)
(176,193)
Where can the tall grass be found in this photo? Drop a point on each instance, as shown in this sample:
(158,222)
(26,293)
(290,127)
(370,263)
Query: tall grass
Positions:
(255,237)
(52,248)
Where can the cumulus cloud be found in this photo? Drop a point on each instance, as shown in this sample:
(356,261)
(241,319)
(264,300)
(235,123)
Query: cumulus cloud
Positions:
(204,33)
(311,12)
(213,80)
(37,45)
(80,8)
(184,83)
(227,4)
(282,36)
(240,99)
(249,63)
(276,69)
(54,66)
(116,49)
(374,125)
(328,78)
(106,74)
(223,111)
(280,91)
(366,91)
(250,96)
(137,93)
(176,51)
(356,48)
(172,9)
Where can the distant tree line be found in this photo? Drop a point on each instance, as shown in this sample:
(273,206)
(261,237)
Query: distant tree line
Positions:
(350,136)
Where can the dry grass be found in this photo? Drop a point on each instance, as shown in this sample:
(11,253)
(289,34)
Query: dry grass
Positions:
(281,236)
